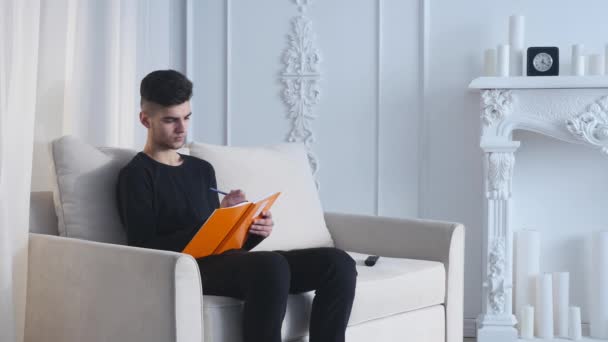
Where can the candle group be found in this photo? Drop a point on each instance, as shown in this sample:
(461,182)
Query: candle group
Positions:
(510,59)
(541,300)
(507,59)
(597,63)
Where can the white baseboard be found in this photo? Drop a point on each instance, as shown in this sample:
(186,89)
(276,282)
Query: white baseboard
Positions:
(470,328)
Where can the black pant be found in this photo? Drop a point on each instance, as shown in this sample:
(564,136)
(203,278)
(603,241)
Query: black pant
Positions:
(264,279)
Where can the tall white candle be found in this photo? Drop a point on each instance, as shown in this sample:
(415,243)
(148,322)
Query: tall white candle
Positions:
(526,268)
(502,63)
(516,42)
(596,65)
(606,60)
(526,324)
(598,315)
(544,306)
(579,66)
(574,328)
(561,303)
(577,51)
(489,62)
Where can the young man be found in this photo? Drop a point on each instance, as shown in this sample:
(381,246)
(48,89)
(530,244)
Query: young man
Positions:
(163,199)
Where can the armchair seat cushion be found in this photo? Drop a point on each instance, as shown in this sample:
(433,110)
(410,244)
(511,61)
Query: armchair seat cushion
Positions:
(390,287)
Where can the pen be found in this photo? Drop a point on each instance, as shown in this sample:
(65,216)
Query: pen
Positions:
(218,191)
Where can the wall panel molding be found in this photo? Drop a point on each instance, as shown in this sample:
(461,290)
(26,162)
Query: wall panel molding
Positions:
(228,71)
(300,77)
(424,116)
(190,56)
(378,107)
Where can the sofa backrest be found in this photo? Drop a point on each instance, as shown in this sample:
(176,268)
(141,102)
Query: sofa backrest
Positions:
(85,190)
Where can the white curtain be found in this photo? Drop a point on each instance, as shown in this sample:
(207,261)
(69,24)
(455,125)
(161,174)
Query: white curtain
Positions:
(19,28)
(93,54)
(68,67)
(88,77)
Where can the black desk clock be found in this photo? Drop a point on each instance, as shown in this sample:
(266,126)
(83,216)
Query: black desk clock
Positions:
(543,61)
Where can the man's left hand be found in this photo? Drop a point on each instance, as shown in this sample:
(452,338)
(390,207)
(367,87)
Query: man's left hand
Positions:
(262,226)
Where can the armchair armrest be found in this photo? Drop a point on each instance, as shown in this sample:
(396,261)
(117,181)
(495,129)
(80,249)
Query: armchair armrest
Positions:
(89,291)
(412,239)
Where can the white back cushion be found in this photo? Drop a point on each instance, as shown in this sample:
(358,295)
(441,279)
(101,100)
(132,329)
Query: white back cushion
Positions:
(260,171)
(85,190)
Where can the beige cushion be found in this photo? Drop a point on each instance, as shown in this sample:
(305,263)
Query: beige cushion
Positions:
(391,287)
(85,189)
(259,171)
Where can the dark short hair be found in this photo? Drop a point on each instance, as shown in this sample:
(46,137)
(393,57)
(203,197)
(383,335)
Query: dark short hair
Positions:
(166,88)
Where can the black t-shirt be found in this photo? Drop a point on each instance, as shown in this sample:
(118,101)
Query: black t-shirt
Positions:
(163,206)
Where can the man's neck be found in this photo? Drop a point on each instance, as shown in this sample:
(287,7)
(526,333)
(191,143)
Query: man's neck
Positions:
(165,156)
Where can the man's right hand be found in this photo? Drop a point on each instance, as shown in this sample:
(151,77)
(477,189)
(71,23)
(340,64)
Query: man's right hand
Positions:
(233,198)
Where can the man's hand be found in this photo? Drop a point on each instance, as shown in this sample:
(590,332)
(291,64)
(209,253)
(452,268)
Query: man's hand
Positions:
(262,226)
(233,198)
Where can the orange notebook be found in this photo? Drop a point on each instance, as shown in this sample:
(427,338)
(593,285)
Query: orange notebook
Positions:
(227,228)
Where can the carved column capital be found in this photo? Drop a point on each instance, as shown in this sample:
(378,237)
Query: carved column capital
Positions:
(496,105)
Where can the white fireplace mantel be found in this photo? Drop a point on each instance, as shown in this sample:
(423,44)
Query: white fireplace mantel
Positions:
(570,108)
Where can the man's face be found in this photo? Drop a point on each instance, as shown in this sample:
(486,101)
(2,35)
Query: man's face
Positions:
(167,126)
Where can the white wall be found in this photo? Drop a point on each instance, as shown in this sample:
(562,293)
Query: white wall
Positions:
(369,92)
(382,149)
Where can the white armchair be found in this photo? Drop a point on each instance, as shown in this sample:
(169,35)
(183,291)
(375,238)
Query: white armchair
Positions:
(86,290)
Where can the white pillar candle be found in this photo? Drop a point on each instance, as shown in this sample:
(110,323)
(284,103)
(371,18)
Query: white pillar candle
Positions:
(577,51)
(526,268)
(502,63)
(489,62)
(598,315)
(516,42)
(606,60)
(526,324)
(574,328)
(579,66)
(596,65)
(544,306)
(561,304)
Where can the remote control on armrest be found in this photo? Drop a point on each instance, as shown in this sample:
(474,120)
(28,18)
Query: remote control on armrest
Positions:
(371,260)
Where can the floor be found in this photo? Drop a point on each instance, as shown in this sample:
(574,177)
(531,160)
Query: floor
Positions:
(469,339)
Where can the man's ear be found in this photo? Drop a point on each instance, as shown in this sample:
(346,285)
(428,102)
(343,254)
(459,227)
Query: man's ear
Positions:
(144,119)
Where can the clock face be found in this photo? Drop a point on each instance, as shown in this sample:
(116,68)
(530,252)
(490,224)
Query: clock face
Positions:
(542,62)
